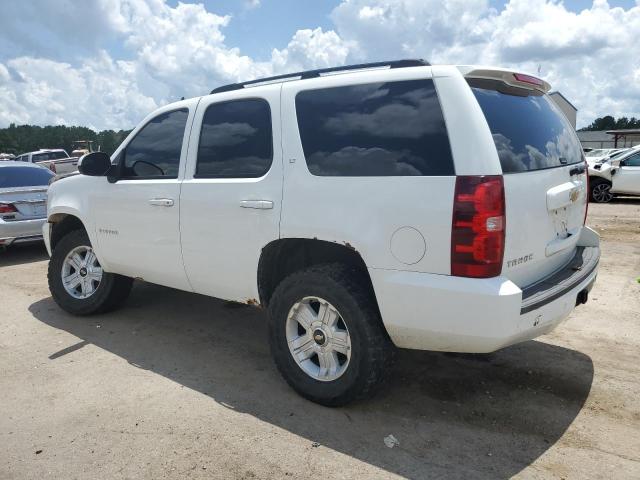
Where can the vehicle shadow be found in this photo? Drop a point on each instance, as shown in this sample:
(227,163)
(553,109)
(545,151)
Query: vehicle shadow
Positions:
(625,200)
(455,416)
(23,253)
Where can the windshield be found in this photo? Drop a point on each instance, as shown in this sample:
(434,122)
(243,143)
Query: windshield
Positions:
(41,157)
(618,154)
(529,131)
(12,177)
(595,153)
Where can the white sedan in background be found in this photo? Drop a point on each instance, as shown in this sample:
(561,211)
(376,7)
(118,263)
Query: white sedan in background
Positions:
(619,175)
(23,201)
(599,155)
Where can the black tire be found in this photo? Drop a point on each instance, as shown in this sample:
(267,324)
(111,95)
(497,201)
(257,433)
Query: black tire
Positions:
(112,290)
(372,352)
(596,184)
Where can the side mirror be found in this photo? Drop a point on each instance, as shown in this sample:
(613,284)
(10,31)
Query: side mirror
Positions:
(94,164)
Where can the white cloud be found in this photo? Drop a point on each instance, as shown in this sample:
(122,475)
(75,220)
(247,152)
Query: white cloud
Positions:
(100,94)
(309,49)
(176,51)
(170,52)
(251,4)
(590,56)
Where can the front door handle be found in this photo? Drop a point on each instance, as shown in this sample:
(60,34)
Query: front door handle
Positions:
(258,204)
(161,202)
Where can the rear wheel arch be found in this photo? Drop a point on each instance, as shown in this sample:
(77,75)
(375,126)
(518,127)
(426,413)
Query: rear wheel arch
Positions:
(282,257)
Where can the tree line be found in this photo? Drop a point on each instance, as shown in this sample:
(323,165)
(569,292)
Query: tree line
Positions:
(19,139)
(610,123)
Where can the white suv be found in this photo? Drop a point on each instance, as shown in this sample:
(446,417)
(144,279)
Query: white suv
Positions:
(365,207)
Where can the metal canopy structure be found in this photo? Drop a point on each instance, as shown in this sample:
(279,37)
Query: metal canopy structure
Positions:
(632,134)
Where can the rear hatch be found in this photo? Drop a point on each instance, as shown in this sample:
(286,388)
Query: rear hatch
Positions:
(545,178)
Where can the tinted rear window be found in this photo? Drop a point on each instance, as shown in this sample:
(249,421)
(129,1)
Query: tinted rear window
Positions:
(529,131)
(376,129)
(12,177)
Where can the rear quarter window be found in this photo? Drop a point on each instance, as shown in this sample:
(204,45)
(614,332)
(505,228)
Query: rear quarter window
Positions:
(529,131)
(375,129)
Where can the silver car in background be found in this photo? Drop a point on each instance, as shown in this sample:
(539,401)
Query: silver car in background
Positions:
(23,201)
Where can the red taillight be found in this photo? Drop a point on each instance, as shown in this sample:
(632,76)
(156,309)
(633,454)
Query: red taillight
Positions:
(521,77)
(7,208)
(477,233)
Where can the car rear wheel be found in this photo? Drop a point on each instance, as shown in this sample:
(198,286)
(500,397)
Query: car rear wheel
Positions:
(327,337)
(77,281)
(601,191)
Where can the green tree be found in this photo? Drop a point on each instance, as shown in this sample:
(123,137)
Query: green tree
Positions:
(608,122)
(19,139)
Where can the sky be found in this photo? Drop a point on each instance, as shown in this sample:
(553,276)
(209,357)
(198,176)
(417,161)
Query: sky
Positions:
(106,64)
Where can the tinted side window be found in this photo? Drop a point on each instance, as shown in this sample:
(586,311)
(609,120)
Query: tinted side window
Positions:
(633,161)
(377,129)
(235,140)
(155,150)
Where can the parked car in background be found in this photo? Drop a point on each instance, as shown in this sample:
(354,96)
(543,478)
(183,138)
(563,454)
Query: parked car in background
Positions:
(23,201)
(56,159)
(617,175)
(7,156)
(365,207)
(601,154)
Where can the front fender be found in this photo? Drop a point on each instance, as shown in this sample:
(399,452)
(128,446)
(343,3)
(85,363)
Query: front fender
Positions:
(69,196)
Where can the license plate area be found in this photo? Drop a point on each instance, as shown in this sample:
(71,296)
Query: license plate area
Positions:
(32,209)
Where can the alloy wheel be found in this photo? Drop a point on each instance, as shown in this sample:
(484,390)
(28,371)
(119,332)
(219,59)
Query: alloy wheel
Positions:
(602,193)
(318,339)
(81,272)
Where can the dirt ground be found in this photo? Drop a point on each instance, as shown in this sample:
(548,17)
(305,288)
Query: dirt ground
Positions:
(176,385)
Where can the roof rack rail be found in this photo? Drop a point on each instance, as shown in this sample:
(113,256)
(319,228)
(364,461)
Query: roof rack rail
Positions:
(319,72)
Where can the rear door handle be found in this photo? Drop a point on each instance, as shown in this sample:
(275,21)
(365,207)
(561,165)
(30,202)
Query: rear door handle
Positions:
(161,202)
(258,204)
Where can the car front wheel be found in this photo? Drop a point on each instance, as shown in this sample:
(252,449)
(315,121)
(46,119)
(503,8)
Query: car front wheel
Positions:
(77,282)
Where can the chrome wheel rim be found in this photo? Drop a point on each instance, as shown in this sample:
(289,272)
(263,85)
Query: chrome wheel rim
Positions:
(318,339)
(602,193)
(81,272)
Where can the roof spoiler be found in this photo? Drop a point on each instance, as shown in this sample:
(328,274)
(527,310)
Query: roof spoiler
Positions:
(509,77)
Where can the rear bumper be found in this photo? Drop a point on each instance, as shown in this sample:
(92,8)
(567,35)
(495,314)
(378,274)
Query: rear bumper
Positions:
(445,313)
(21,231)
